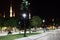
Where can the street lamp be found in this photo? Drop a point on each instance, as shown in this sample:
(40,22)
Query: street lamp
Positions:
(24,8)
(24,16)
(44,25)
(43,21)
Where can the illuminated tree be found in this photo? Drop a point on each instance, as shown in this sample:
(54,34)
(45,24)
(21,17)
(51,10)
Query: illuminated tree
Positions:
(1,23)
(10,23)
(36,21)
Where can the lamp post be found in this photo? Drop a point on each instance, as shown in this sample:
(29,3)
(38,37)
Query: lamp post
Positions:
(29,22)
(24,16)
(25,11)
(43,21)
(44,25)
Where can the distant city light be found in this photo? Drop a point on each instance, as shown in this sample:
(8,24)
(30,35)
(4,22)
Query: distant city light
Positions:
(52,19)
(4,15)
(29,3)
(26,2)
(11,9)
(13,14)
(29,15)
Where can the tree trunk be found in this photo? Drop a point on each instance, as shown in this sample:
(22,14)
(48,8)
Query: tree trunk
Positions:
(24,29)
(24,32)
(35,28)
(29,29)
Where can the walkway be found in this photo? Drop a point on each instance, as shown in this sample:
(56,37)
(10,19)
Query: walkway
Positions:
(52,35)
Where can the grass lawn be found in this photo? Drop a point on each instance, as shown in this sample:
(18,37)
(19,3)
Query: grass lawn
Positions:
(12,37)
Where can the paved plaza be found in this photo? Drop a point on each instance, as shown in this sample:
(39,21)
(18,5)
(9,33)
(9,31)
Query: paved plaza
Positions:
(52,35)
(48,35)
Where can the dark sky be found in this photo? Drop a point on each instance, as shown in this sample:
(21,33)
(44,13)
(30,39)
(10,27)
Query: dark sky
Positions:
(46,9)
(42,9)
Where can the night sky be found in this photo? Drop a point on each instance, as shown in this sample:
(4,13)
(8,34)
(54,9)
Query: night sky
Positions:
(42,9)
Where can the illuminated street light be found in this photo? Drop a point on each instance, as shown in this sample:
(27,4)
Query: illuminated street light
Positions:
(43,21)
(44,28)
(25,8)
(24,15)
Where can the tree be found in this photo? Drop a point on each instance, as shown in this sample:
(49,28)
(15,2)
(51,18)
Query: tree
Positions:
(36,21)
(24,9)
(11,22)
(1,23)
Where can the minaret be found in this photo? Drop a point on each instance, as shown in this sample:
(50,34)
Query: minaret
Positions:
(11,9)
(29,15)
(13,14)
